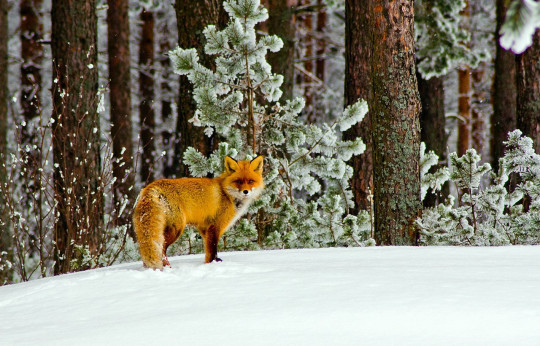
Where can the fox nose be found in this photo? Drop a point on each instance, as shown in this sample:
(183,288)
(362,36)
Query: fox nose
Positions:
(246,192)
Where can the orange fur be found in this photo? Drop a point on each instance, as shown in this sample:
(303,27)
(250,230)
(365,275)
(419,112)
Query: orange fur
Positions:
(166,206)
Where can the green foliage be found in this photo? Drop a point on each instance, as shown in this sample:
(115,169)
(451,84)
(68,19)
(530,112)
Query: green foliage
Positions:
(490,210)
(521,22)
(442,39)
(307,198)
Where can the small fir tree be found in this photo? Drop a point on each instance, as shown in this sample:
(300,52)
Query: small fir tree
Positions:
(307,198)
(491,213)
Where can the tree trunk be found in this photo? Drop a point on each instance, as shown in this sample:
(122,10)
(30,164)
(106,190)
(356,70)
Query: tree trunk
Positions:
(166,92)
(120,112)
(282,23)
(432,124)
(477,114)
(319,107)
(503,119)
(358,43)
(528,92)
(6,252)
(31,56)
(31,59)
(146,88)
(395,123)
(192,18)
(464,99)
(464,110)
(308,63)
(77,183)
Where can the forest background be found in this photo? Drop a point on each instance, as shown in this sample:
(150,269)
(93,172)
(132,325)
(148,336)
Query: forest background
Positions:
(91,110)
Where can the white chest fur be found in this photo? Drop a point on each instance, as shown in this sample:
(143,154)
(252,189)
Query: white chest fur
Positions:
(241,208)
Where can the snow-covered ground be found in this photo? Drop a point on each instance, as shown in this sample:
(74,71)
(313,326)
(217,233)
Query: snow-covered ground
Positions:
(355,296)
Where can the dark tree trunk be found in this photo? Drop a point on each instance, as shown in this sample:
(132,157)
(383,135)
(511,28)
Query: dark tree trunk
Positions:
(31,56)
(6,253)
(31,60)
(528,92)
(282,23)
(358,43)
(120,97)
(395,123)
(146,88)
(308,63)
(464,98)
(78,189)
(321,43)
(464,110)
(503,119)
(432,124)
(166,93)
(192,18)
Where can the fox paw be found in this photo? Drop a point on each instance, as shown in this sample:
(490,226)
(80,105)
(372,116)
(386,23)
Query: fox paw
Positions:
(166,262)
(217,259)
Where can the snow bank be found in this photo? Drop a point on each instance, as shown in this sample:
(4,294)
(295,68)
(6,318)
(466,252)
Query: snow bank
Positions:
(355,296)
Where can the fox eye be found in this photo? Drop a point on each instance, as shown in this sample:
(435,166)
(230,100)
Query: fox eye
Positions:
(238,181)
(251,181)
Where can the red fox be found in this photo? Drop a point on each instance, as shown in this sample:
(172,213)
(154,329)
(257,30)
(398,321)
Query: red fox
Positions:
(166,206)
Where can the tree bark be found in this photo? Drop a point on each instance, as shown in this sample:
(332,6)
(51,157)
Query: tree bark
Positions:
(146,87)
(77,183)
(281,22)
(528,92)
(395,123)
(120,111)
(432,124)
(477,115)
(31,56)
(503,119)
(358,85)
(166,92)
(308,63)
(464,111)
(192,18)
(464,99)
(5,235)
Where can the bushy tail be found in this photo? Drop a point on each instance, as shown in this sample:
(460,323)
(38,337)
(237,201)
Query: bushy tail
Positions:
(149,223)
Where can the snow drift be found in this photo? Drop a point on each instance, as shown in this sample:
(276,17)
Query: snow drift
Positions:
(336,296)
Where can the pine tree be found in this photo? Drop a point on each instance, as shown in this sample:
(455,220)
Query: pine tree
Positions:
(31,55)
(146,87)
(192,17)
(76,149)
(491,212)
(282,23)
(6,254)
(239,100)
(357,86)
(503,119)
(120,111)
(522,21)
(528,89)
(395,124)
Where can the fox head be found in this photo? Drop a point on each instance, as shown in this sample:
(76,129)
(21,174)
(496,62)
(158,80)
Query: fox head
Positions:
(243,179)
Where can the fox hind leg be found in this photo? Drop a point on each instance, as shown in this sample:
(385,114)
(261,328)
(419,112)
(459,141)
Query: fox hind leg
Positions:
(171,235)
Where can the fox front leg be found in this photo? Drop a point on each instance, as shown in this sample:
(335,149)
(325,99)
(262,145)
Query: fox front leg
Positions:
(211,240)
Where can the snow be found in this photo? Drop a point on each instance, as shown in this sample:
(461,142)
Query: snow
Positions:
(519,36)
(336,296)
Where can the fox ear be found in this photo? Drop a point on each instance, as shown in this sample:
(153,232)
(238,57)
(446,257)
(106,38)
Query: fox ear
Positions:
(257,164)
(231,165)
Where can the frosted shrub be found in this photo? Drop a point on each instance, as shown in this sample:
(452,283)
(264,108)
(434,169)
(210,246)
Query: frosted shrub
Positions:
(491,215)
(442,38)
(307,198)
